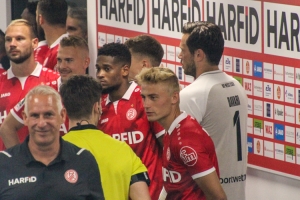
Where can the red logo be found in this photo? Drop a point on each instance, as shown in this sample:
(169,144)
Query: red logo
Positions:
(131,114)
(188,155)
(71,176)
(278,92)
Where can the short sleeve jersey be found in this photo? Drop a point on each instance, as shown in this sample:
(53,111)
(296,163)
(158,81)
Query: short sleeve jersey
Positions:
(41,51)
(116,160)
(13,89)
(17,110)
(188,154)
(72,175)
(50,58)
(127,121)
(219,104)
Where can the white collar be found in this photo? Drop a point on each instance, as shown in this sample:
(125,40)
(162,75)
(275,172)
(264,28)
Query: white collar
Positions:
(178,119)
(36,72)
(127,94)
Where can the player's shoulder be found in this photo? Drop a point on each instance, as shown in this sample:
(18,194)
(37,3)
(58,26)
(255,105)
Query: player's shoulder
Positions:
(74,152)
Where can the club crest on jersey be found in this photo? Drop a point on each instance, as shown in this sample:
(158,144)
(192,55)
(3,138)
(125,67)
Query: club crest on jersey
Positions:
(168,154)
(137,89)
(131,114)
(188,155)
(71,176)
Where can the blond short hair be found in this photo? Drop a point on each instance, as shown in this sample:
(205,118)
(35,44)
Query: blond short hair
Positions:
(157,75)
(23,22)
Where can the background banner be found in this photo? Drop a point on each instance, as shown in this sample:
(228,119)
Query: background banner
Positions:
(262,52)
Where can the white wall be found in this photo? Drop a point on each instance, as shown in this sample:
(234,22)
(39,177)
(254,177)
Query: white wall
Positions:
(5,14)
(266,186)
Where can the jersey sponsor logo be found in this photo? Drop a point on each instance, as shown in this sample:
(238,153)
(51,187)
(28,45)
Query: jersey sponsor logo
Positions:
(168,155)
(71,176)
(19,105)
(7,94)
(233,101)
(2,116)
(227,85)
(104,121)
(133,137)
(173,176)
(131,114)
(63,128)
(233,179)
(188,155)
(21,180)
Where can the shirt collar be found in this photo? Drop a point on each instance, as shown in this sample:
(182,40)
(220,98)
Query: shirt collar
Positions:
(127,94)
(211,72)
(29,159)
(36,72)
(83,127)
(178,119)
(57,41)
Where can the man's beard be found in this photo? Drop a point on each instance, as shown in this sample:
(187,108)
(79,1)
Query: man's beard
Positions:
(110,89)
(190,69)
(23,56)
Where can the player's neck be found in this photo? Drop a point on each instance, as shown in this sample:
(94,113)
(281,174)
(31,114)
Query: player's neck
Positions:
(119,93)
(44,154)
(77,122)
(25,68)
(167,121)
(205,68)
(53,33)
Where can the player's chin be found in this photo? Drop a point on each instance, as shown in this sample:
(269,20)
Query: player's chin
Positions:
(151,118)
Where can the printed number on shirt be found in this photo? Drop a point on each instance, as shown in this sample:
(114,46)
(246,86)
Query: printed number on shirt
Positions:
(236,122)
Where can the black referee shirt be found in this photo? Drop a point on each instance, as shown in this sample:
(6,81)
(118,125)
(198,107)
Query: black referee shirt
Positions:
(73,175)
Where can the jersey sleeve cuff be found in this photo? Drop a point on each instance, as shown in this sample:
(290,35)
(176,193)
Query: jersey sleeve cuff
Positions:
(14,114)
(195,176)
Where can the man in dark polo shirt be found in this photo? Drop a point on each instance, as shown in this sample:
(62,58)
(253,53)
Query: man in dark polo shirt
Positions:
(44,166)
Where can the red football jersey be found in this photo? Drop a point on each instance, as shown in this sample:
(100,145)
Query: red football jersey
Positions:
(188,154)
(17,110)
(126,120)
(50,58)
(13,89)
(41,51)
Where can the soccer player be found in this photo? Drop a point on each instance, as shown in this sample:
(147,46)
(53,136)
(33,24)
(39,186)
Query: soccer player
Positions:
(44,166)
(51,17)
(123,175)
(145,51)
(190,166)
(73,58)
(29,13)
(23,74)
(217,101)
(76,23)
(123,115)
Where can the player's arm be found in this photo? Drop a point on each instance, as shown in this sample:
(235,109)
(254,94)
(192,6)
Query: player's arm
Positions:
(8,131)
(139,191)
(211,186)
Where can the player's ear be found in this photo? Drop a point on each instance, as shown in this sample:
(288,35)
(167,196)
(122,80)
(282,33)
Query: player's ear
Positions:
(175,98)
(24,116)
(125,70)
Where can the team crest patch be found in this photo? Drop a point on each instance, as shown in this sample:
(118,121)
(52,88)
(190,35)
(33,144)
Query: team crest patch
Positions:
(71,176)
(188,155)
(131,114)
(137,89)
(168,154)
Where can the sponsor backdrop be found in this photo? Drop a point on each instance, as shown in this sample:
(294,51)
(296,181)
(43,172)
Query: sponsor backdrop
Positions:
(261,51)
